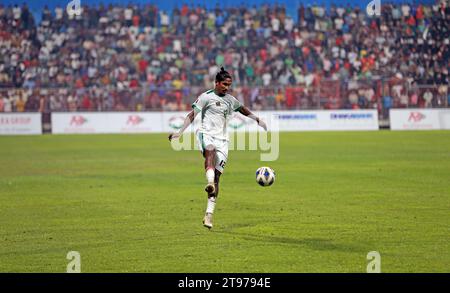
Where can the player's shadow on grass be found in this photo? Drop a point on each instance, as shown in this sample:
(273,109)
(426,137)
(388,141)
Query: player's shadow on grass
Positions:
(313,243)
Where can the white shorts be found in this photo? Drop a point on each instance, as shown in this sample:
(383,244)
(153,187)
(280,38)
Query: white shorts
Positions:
(220,145)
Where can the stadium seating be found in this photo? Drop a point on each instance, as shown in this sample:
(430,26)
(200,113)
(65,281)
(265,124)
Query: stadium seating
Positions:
(139,57)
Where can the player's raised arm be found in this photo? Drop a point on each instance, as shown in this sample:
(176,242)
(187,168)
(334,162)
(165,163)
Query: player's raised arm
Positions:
(189,118)
(246,112)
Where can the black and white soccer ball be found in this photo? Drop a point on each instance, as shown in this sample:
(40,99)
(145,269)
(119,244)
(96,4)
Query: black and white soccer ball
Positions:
(265,176)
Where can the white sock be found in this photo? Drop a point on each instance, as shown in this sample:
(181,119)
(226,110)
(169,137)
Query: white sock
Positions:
(211,205)
(210,175)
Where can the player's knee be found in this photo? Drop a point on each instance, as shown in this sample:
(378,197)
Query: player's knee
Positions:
(210,148)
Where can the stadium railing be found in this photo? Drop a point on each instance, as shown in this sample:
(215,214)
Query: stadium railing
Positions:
(381,94)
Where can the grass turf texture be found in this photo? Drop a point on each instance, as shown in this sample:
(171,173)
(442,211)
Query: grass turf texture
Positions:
(129,203)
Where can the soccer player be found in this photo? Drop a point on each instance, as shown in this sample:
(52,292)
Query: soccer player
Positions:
(215,106)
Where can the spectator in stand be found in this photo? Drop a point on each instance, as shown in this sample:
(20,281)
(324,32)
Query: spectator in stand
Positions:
(448,99)
(279,100)
(20,104)
(32,103)
(7,105)
(414,100)
(428,98)
(353,100)
(387,105)
(442,95)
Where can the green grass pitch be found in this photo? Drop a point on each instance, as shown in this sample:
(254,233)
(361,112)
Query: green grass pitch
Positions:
(129,203)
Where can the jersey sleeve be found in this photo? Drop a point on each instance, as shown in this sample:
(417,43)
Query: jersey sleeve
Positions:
(199,104)
(235,104)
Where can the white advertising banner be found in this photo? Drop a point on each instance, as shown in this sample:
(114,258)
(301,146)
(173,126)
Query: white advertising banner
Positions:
(324,120)
(240,123)
(135,122)
(298,120)
(444,118)
(307,120)
(419,119)
(20,123)
(123,122)
(79,122)
(173,121)
(351,119)
(166,122)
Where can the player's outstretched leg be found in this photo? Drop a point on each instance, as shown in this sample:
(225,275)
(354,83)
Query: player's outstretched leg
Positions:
(210,156)
(207,220)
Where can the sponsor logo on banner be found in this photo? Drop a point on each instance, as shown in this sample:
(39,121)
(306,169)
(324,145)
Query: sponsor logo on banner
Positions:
(134,124)
(134,120)
(416,117)
(20,123)
(176,122)
(79,124)
(295,121)
(106,122)
(351,116)
(15,120)
(297,116)
(353,120)
(77,120)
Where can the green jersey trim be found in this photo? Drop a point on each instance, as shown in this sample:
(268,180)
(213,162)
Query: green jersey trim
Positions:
(195,107)
(203,143)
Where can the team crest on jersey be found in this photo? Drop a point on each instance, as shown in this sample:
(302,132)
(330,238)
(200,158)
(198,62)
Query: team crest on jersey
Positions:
(218,104)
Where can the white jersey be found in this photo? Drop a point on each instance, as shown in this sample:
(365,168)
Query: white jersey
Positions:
(215,112)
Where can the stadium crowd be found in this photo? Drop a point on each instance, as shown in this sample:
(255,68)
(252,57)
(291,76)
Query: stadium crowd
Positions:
(140,58)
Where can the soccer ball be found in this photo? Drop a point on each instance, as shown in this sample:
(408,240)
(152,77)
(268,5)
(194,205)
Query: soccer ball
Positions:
(265,176)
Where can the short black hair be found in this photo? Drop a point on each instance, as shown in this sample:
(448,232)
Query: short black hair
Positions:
(222,75)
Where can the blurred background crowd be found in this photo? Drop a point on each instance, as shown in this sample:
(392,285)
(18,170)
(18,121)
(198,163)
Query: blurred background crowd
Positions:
(138,57)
